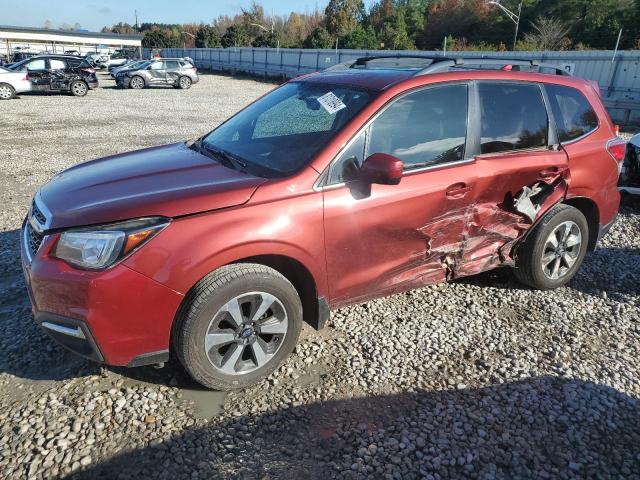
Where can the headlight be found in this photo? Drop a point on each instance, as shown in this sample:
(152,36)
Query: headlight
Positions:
(98,248)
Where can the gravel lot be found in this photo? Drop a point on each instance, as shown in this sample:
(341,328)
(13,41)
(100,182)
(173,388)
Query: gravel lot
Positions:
(480,378)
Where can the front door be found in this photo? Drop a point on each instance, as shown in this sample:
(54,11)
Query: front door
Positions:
(38,73)
(381,239)
(157,72)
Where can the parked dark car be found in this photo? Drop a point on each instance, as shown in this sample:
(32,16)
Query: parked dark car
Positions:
(333,189)
(59,73)
(20,56)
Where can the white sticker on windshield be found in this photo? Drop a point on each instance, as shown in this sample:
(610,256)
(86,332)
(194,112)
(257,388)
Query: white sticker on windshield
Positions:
(331,103)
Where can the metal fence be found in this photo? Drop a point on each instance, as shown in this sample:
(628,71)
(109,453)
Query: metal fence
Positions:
(618,77)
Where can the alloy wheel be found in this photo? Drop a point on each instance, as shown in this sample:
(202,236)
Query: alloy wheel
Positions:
(136,82)
(246,333)
(185,82)
(5,92)
(561,250)
(79,89)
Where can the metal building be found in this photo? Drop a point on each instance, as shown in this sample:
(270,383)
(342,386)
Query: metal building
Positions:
(43,40)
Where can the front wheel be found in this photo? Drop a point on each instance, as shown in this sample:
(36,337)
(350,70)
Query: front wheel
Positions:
(237,325)
(7,92)
(78,88)
(554,250)
(136,82)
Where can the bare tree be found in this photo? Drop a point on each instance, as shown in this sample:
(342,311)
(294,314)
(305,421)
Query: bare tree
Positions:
(549,34)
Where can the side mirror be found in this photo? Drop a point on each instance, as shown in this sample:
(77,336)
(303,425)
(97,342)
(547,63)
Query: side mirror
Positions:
(382,169)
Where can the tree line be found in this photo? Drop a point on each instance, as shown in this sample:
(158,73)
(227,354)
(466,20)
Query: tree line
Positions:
(413,24)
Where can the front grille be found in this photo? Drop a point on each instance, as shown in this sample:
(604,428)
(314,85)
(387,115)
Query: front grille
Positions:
(37,214)
(34,239)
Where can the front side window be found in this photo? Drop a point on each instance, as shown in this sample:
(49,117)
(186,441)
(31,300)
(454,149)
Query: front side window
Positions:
(280,133)
(423,128)
(35,64)
(513,117)
(156,66)
(572,112)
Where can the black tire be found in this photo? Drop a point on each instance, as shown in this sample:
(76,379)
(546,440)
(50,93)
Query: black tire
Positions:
(78,88)
(529,256)
(7,92)
(184,83)
(138,83)
(203,302)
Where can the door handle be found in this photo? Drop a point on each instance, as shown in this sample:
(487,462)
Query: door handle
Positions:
(457,190)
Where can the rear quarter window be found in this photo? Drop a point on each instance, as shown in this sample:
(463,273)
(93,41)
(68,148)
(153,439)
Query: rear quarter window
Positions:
(572,112)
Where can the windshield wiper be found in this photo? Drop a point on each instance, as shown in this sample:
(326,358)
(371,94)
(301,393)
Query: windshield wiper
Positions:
(222,156)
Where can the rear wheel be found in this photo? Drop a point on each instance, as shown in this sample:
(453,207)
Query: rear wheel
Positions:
(184,83)
(136,82)
(554,250)
(78,88)
(237,325)
(7,92)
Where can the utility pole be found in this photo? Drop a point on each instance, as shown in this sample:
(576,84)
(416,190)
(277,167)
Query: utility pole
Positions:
(136,13)
(615,51)
(512,16)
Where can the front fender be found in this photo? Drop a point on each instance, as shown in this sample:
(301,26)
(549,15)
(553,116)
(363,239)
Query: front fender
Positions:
(192,247)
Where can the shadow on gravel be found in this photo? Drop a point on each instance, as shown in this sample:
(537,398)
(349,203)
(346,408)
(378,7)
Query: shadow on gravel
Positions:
(536,428)
(25,350)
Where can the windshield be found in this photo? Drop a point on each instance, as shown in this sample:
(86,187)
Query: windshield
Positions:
(280,133)
(16,66)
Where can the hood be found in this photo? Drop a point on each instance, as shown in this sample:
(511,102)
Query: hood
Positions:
(170,180)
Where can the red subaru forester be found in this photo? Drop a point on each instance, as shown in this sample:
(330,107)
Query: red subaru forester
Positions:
(335,188)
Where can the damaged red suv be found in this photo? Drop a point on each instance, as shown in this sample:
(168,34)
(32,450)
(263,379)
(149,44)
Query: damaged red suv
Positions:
(337,187)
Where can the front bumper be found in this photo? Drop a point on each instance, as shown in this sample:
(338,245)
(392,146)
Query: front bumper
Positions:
(123,81)
(117,316)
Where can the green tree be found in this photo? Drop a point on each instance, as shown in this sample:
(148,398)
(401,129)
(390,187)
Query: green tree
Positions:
(207,37)
(360,38)
(235,36)
(343,16)
(393,34)
(319,38)
(156,39)
(266,40)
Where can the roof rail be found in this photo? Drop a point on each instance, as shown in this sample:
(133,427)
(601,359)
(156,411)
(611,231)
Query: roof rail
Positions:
(443,66)
(362,61)
(440,63)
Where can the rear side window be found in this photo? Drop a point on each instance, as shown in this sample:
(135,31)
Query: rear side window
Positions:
(572,112)
(74,62)
(57,64)
(171,65)
(513,117)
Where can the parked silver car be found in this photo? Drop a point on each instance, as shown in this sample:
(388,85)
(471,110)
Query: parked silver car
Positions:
(177,72)
(12,83)
(131,65)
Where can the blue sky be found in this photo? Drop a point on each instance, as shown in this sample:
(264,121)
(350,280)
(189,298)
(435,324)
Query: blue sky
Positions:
(93,15)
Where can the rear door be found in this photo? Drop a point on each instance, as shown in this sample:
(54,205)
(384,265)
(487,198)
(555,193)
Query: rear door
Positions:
(58,73)
(171,72)
(521,168)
